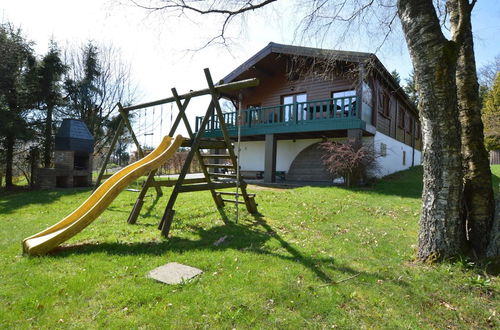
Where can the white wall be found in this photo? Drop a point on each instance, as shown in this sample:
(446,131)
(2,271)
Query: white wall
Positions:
(393,161)
(252,154)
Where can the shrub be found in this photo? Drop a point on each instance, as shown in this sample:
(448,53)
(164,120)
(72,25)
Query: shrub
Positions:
(354,162)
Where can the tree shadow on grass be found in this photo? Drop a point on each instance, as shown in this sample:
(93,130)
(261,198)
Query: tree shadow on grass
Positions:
(249,237)
(152,206)
(11,201)
(407,183)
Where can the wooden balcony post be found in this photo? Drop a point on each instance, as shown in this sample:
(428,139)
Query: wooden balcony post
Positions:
(359,99)
(296,112)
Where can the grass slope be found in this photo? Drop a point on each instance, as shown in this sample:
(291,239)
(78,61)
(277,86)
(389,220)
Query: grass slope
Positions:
(318,257)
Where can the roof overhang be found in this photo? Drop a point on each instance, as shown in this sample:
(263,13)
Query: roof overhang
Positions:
(369,60)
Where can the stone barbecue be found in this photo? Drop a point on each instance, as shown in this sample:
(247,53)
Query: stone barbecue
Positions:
(74,146)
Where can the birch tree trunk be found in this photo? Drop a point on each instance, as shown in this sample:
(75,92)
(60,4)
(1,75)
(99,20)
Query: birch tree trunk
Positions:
(478,192)
(493,250)
(442,228)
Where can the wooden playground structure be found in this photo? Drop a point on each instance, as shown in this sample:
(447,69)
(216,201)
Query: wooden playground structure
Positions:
(220,170)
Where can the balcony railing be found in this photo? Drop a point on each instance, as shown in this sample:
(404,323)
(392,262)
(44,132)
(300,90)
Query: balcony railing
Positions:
(297,116)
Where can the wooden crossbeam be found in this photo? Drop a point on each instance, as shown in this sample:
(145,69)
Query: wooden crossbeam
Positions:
(233,201)
(205,144)
(171,183)
(220,88)
(216,156)
(222,175)
(219,166)
(232,193)
(205,186)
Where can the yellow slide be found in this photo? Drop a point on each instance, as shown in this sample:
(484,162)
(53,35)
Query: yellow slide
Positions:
(100,199)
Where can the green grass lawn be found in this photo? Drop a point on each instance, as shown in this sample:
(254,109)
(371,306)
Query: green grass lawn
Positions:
(318,257)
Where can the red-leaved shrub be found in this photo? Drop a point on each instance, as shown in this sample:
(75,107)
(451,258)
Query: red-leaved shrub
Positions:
(354,162)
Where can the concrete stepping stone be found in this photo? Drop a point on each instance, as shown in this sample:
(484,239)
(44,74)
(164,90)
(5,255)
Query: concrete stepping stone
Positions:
(174,273)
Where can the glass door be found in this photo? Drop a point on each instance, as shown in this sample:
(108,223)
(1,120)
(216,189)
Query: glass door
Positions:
(294,104)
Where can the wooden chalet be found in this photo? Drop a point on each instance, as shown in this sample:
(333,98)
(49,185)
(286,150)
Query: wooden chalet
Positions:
(307,95)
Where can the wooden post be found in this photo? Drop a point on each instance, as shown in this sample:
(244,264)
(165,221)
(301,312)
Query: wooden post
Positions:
(270,158)
(168,215)
(182,109)
(167,218)
(217,199)
(249,202)
(182,113)
(150,178)
(110,151)
(359,104)
(124,114)
(132,219)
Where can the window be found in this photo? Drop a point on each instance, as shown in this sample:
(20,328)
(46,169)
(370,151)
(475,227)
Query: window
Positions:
(291,102)
(344,103)
(401,117)
(383,149)
(252,113)
(404,158)
(409,129)
(384,103)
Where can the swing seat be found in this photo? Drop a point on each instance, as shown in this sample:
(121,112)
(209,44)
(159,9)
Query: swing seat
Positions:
(132,190)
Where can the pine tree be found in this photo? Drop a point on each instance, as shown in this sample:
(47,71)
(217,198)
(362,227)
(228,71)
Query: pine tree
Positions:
(17,92)
(51,69)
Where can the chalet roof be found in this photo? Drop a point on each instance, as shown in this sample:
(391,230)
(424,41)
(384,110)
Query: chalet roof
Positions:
(369,59)
(273,47)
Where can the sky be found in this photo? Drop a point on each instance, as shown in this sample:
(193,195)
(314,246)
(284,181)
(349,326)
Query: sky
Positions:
(157,46)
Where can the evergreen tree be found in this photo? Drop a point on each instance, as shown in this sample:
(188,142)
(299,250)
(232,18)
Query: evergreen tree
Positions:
(96,80)
(411,88)
(17,91)
(82,86)
(51,69)
(396,76)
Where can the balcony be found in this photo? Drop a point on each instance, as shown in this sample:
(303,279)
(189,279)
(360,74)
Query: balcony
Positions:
(312,116)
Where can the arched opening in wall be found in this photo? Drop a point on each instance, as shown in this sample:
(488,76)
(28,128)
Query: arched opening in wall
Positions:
(308,166)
